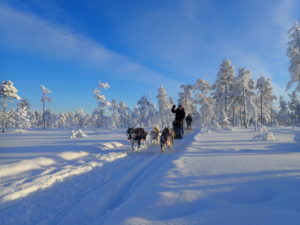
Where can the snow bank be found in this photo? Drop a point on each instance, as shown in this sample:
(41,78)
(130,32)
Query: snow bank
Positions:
(265,135)
(297,139)
(78,134)
(25,165)
(72,155)
(18,131)
(110,145)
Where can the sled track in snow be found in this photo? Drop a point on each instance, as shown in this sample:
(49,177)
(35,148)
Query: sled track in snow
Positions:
(143,171)
(124,176)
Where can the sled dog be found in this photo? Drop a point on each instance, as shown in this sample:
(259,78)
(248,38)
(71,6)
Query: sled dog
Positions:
(154,134)
(166,139)
(137,135)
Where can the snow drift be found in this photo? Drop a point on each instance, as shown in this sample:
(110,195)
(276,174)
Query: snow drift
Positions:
(78,134)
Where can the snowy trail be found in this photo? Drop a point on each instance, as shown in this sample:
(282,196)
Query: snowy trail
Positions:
(89,198)
(130,174)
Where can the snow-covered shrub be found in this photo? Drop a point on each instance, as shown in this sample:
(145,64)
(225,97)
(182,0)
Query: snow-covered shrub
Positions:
(297,139)
(263,129)
(77,134)
(264,135)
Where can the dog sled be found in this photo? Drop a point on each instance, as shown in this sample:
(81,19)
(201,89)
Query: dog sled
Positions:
(178,129)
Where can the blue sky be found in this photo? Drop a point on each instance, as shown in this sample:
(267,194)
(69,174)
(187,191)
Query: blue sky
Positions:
(136,46)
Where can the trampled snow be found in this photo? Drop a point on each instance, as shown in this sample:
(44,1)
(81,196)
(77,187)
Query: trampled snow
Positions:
(217,177)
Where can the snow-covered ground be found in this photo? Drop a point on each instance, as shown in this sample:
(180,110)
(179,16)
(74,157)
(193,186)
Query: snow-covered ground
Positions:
(218,177)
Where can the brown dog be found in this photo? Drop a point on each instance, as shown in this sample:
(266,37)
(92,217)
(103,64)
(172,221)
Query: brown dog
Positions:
(154,134)
(166,139)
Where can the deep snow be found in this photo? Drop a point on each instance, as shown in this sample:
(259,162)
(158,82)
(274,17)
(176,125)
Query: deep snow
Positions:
(217,177)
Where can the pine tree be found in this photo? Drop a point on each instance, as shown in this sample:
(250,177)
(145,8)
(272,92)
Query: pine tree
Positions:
(293,52)
(283,116)
(80,118)
(7,93)
(246,90)
(115,116)
(124,113)
(62,120)
(266,97)
(223,84)
(293,104)
(146,111)
(23,114)
(236,100)
(202,90)
(186,98)
(99,113)
(45,99)
(164,107)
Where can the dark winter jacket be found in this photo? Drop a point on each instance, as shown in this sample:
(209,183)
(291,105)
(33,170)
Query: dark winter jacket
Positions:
(179,113)
(188,119)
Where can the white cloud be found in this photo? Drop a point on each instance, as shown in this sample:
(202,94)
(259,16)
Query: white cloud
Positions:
(29,33)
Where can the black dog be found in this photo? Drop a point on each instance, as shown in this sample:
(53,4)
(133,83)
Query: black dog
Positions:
(137,135)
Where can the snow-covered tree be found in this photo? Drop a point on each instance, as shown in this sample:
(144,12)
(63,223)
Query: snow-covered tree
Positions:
(23,114)
(223,85)
(50,118)
(186,98)
(115,116)
(236,101)
(146,111)
(45,99)
(223,119)
(283,116)
(246,91)
(293,104)
(124,114)
(8,92)
(202,90)
(293,52)
(266,98)
(11,119)
(62,120)
(99,113)
(80,118)
(164,107)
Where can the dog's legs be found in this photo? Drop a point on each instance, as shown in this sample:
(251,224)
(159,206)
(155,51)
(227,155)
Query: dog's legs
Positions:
(132,145)
(139,145)
(162,148)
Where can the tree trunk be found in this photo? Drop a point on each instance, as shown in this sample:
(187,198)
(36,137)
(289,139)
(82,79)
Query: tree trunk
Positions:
(261,109)
(43,117)
(245,109)
(4,114)
(225,98)
(233,115)
(241,120)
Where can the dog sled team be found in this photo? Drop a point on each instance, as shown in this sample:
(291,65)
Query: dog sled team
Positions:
(164,138)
